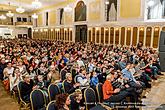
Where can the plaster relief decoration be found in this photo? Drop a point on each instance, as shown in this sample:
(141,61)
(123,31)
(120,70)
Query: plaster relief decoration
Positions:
(155,9)
(94,10)
(68,17)
(111,10)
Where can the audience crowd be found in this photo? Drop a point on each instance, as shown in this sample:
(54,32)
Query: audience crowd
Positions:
(123,71)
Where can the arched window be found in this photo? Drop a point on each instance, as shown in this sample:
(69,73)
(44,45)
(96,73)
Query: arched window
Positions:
(155,9)
(80,11)
(111,10)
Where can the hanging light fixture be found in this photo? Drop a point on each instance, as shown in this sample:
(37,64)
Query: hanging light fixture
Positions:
(2,17)
(20,9)
(9,14)
(34,16)
(36,4)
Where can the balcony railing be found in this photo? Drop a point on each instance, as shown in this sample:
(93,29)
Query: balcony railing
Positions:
(6,23)
(23,23)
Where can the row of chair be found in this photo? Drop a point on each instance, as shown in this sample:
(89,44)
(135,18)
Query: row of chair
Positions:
(38,99)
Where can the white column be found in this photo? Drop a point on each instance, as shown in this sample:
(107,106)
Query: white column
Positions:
(100,36)
(125,37)
(69,36)
(114,36)
(137,35)
(88,35)
(160,28)
(104,34)
(131,36)
(119,36)
(144,39)
(95,35)
(109,36)
(152,37)
(92,34)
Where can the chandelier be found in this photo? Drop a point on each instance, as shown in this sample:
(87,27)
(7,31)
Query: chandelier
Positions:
(36,4)
(10,14)
(2,17)
(34,16)
(20,10)
(67,9)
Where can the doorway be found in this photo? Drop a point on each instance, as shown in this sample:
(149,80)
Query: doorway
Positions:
(81,33)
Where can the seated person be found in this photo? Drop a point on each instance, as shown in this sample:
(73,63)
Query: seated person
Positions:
(94,80)
(130,78)
(62,102)
(110,94)
(26,87)
(76,101)
(83,79)
(42,85)
(68,84)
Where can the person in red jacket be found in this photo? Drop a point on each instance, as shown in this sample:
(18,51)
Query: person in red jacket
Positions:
(110,94)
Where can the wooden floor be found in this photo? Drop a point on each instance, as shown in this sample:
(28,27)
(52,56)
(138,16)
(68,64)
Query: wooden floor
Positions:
(156,95)
(6,101)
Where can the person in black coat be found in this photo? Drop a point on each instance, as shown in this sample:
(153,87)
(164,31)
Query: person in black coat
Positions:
(68,84)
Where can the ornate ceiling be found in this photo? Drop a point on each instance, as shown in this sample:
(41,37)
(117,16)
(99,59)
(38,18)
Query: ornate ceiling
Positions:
(4,4)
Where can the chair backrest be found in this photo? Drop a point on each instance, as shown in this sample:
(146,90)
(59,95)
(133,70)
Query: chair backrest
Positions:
(53,90)
(63,86)
(19,86)
(90,98)
(99,91)
(62,74)
(76,77)
(37,99)
(51,106)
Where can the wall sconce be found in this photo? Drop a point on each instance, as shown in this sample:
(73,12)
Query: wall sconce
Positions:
(156,29)
(97,28)
(51,29)
(117,29)
(128,28)
(41,30)
(89,29)
(148,29)
(141,29)
(45,30)
(70,29)
(36,30)
(65,29)
(106,29)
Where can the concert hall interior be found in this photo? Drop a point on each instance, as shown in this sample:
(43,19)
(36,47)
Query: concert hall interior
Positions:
(82,54)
